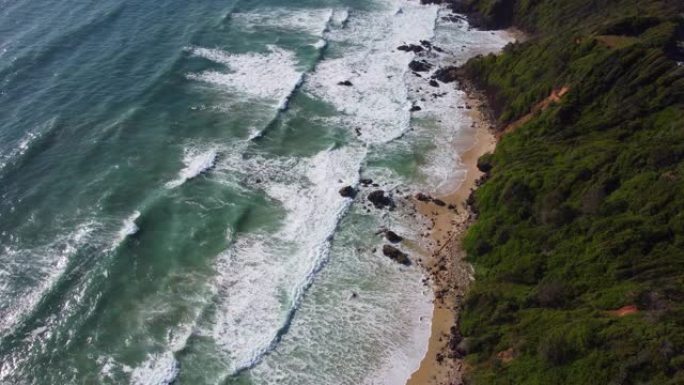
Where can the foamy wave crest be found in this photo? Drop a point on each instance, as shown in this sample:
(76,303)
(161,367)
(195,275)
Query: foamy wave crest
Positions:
(158,369)
(339,18)
(263,277)
(27,274)
(196,162)
(271,76)
(310,21)
(23,145)
(320,44)
(128,228)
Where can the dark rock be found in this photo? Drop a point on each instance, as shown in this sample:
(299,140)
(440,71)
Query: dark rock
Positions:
(422,197)
(410,48)
(366,181)
(345,83)
(439,202)
(393,237)
(434,83)
(430,46)
(446,74)
(348,192)
(415,108)
(379,199)
(420,66)
(396,255)
(484,163)
(453,18)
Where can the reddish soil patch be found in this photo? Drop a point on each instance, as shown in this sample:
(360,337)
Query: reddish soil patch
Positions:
(623,311)
(506,356)
(554,97)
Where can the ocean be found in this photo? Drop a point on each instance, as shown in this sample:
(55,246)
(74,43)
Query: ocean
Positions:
(169,187)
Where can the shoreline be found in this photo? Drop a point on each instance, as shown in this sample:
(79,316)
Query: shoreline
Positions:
(449,275)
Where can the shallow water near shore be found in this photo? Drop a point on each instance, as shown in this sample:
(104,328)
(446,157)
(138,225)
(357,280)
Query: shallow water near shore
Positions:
(169,176)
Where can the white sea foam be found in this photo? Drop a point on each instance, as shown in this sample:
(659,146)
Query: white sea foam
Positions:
(263,276)
(350,340)
(196,162)
(378,103)
(27,274)
(270,76)
(157,369)
(24,143)
(312,21)
(339,18)
(321,43)
(128,228)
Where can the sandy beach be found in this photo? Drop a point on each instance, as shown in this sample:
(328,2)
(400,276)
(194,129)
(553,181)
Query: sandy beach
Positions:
(449,273)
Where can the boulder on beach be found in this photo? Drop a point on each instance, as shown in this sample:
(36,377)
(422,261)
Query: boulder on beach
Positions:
(396,255)
(393,237)
(379,199)
(484,163)
(433,83)
(366,181)
(420,66)
(422,197)
(439,202)
(345,83)
(410,48)
(348,192)
(446,74)
(415,108)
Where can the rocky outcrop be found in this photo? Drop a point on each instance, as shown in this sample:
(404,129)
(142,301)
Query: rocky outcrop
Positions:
(446,74)
(420,66)
(396,255)
(348,192)
(497,15)
(379,199)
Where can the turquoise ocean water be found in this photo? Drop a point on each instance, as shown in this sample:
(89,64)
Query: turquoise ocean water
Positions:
(169,176)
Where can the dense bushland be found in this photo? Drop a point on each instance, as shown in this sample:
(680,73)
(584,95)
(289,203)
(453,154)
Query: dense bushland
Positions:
(582,212)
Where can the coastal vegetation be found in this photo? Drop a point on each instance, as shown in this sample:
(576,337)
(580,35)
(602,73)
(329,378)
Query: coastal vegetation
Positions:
(578,246)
